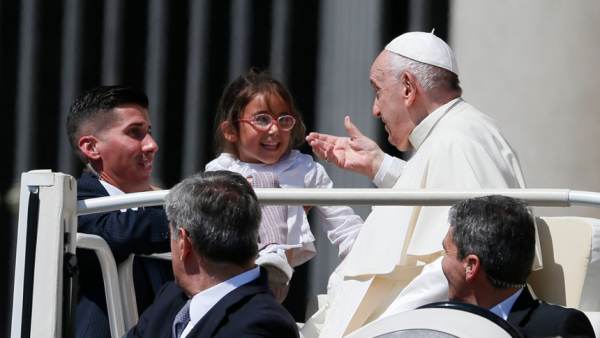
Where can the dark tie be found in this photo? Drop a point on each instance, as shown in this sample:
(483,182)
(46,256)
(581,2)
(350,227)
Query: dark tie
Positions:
(181,320)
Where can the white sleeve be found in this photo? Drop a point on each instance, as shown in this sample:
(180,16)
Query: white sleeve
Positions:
(340,223)
(390,170)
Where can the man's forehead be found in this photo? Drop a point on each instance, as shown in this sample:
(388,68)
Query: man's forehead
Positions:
(377,75)
(130,114)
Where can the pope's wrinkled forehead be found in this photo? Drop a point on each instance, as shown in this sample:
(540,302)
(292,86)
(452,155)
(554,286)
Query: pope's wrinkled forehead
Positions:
(378,70)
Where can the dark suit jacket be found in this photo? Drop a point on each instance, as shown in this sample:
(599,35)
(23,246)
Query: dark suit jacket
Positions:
(540,319)
(248,311)
(144,231)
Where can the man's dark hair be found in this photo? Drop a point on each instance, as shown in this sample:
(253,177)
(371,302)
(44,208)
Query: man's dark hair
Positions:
(221,214)
(93,111)
(501,232)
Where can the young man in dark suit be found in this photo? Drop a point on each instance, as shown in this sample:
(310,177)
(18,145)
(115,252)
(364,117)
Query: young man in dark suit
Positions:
(109,130)
(489,254)
(218,291)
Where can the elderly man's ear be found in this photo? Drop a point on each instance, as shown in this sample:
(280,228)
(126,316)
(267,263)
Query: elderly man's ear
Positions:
(472,268)
(87,145)
(409,88)
(186,249)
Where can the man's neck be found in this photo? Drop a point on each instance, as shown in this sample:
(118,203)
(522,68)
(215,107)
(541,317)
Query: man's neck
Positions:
(126,188)
(433,105)
(491,297)
(211,274)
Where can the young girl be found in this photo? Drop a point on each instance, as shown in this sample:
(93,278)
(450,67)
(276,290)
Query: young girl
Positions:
(256,129)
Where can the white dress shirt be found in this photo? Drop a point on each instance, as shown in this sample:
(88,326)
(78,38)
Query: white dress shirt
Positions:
(114,191)
(503,309)
(205,300)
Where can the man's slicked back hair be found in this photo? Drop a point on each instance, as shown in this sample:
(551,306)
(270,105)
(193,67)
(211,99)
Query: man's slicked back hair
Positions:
(221,214)
(501,232)
(92,112)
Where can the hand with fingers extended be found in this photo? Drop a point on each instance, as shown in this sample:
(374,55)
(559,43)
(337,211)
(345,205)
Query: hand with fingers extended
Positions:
(356,153)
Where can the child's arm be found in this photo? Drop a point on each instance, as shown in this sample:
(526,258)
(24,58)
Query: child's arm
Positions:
(340,223)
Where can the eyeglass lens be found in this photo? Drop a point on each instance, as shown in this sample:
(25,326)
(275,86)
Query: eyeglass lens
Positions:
(285,122)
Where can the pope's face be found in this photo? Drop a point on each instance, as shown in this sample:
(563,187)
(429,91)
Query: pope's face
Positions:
(390,105)
(454,270)
(127,149)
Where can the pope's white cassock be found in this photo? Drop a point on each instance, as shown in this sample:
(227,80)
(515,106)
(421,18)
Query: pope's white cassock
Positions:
(455,147)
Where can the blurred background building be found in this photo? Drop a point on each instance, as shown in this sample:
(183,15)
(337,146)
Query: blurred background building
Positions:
(532,66)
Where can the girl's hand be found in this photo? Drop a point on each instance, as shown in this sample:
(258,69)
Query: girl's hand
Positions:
(356,153)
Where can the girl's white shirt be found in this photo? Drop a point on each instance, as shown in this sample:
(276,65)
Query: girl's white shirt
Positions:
(297,170)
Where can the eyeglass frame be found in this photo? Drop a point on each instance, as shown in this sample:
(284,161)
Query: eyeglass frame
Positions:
(252,121)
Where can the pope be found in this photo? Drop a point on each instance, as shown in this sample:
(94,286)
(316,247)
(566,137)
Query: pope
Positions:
(454,146)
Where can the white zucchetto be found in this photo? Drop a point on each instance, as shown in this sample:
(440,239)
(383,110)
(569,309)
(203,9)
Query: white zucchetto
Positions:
(426,48)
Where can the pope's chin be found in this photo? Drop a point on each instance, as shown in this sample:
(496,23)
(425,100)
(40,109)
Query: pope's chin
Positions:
(402,146)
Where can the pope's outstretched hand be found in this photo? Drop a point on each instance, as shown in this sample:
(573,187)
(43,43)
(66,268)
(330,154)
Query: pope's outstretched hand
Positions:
(356,153)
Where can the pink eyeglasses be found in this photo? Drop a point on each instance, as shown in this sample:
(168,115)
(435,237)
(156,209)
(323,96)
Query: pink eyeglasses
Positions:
(265,121)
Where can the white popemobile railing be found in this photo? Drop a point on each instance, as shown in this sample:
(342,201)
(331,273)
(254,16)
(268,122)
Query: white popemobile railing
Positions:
(126,317)
(533,197)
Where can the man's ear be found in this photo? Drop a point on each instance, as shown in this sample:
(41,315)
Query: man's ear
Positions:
(409,88)
(185,244)
(229,131)
(472,268)
(87,145)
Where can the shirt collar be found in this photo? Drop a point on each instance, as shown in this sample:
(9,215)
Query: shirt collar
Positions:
(114,191)
(205,300)
(420,132)
(503,309)
(111,189)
